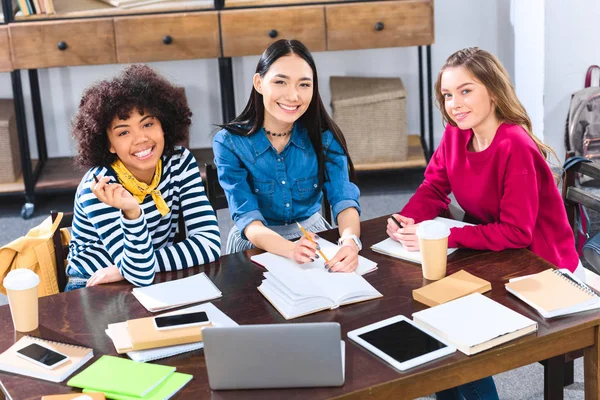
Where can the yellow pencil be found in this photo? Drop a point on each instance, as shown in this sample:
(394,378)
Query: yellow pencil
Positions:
(309,238)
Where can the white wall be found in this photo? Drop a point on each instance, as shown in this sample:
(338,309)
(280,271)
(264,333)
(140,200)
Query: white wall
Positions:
(458,24)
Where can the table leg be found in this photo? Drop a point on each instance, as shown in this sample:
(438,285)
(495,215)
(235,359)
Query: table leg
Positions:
(554,375)
(591,358)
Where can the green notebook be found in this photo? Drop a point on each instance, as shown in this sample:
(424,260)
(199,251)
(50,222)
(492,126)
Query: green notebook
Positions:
(122,376)
(164,391)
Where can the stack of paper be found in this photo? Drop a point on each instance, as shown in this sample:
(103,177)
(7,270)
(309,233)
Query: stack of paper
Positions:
(120,335)
(329,249)
(119,378)
(451,287)
(177,293)
(474,323)
(395,249)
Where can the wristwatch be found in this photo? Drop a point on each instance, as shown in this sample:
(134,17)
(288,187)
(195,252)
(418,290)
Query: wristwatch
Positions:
(353,237)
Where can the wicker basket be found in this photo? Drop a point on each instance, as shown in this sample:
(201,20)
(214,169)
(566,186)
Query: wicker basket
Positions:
(9,143)
(371,112)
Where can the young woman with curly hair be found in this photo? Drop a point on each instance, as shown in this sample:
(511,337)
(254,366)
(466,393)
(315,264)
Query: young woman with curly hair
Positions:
(139,184)
(277,158)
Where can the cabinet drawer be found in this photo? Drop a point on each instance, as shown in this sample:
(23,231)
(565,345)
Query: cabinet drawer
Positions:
(248,32)
(63,43)
(379,24)
(5,61)
(167,37)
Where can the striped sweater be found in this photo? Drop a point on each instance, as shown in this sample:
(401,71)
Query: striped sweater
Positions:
(102,236)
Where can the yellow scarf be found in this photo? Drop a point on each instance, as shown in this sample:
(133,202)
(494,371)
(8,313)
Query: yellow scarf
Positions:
(140,190)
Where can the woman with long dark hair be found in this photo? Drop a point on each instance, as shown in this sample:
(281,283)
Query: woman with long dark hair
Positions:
(277,158)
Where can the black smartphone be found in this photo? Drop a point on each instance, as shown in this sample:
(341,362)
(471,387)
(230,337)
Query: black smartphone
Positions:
(42,356)
(181,320)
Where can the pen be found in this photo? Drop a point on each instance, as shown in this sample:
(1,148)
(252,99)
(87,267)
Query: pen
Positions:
(396,221)
(96,179)
(309,238)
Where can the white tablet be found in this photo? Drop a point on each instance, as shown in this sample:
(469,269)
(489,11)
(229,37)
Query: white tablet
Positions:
(400,342)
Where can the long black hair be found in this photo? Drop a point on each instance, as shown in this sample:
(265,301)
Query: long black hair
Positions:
(315,119)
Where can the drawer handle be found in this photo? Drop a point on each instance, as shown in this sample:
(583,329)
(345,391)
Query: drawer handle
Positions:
(379,26)
(167,40)
(273,33)
(62,46)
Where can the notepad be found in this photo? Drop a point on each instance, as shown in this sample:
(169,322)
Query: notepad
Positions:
(554,292)
(120,335)
(393,248)
(121,376)
(329,249)
(165,390)
(297,290)
(177,293)
(451,287)
(474,323)
(78,356)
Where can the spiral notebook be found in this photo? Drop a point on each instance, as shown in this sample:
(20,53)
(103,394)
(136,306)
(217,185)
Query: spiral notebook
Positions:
(554,292)
(78,355)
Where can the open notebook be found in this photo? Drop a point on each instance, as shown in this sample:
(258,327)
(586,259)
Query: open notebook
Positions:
(554,292)
(329,249)
(297,290)
(392,248)
(78,356)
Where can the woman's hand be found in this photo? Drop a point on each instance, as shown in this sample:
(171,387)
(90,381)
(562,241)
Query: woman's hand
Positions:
(105,275)
(115,195)
(405,235)
(304,250)
(346,258)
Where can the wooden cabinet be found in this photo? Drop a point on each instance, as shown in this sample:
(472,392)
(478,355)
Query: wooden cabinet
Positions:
(167,37)
(249,32)
(5,60)
(379,24)
(63,43)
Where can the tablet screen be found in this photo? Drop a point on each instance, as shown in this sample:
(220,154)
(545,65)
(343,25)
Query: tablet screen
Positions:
(402,341)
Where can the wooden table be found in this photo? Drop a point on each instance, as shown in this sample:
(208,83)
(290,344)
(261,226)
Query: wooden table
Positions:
(83,315)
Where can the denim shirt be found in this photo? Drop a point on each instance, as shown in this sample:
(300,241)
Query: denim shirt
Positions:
(279,189)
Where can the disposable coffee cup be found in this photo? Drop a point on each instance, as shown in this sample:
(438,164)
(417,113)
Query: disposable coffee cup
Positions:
(433,242)
(22,289)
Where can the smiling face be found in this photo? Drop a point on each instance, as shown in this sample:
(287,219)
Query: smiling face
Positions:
(467,101)
(138,141)
(287,90)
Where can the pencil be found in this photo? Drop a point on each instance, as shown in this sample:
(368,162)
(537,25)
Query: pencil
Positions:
(396,221)
(309,238)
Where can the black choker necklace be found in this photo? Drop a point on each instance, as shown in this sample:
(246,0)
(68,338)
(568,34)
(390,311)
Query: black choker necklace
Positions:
(268,132)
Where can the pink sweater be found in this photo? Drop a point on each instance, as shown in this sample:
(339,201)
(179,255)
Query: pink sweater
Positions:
(508,186)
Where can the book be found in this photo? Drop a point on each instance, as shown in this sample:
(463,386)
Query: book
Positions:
(393,248)
(165,390)
(329,249)
(297,290)
(144,335)
(177,293)
(554,292)
(451,287)
(474,323)
(78,355)
(76,396)
(119,334)
(121,376)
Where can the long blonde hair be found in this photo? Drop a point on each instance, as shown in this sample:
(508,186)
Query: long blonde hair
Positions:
(488,70)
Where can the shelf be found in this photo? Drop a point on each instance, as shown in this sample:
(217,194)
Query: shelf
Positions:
(415,159)
(96,8)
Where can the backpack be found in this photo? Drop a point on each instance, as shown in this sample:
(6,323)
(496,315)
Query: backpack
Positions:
(582,131)
(582,218)
(35,251)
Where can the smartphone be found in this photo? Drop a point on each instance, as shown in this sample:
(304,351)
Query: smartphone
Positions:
(181,320)
(42,356)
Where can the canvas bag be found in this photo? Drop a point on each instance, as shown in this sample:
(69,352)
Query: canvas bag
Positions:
(35,251)
(582,134)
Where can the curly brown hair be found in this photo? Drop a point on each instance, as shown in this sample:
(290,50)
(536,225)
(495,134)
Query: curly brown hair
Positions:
(137,87)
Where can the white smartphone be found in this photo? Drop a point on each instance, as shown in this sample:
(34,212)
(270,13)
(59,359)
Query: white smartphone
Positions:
(42,356)
(181,320)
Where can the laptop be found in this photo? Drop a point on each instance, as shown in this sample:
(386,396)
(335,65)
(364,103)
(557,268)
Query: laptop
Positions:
(274,356)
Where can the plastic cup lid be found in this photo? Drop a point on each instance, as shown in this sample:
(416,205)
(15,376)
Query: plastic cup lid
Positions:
(432,230)
(21,279)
